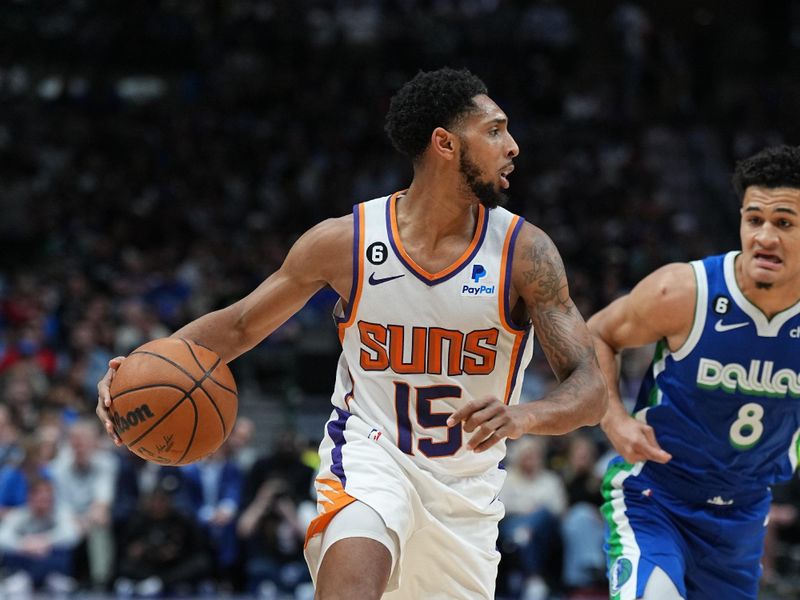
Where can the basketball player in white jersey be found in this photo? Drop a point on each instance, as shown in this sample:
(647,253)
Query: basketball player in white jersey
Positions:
(440,291)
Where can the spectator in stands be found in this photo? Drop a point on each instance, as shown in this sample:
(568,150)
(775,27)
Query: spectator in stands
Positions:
(37,540)
(535,499)
(161,549)
(83,473)
(10,451)
(242,450)
(273,534)
(212,491)
(16,476)
(582,527)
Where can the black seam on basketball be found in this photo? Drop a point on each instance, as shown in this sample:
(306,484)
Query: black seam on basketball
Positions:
(176,365)
(191,351)
(186,394)
(147,387)
(194,427)
(219,413)
(196,344)
(199,364)
(222,385)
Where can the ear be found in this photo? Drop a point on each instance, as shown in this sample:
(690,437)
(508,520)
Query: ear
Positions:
(444,143)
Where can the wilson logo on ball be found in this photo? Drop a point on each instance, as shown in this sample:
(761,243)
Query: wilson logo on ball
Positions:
(133,418)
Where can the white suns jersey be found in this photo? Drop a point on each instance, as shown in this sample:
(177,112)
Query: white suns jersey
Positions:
(417,345)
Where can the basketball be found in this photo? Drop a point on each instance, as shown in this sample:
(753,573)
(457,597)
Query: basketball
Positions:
(173,401)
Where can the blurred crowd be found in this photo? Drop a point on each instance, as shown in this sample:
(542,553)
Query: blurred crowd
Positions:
(157,161)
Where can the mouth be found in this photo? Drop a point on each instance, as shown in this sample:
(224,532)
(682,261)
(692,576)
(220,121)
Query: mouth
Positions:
(505,184)
(767,260)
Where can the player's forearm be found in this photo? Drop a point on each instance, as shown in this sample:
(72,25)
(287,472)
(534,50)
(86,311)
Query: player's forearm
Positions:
(579,400)
(222,331)
(608,359)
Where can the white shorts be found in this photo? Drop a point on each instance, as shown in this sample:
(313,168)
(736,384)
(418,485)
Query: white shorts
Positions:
(445,527)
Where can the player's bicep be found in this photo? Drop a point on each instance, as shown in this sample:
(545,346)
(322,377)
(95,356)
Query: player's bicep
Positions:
(314,261)
(542,283)
(659,306)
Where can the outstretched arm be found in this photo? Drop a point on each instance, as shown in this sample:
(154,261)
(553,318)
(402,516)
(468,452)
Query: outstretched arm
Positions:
(539,280)
(322,256)
(661,306)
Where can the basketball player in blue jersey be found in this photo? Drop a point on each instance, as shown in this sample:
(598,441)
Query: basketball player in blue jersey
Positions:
(440,291)
(717,420)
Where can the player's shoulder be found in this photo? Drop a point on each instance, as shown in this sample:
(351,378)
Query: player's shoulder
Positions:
(673,285)
(334,231)
(531,237)
(329,241)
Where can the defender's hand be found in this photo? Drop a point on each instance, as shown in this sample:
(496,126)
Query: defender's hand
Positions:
(634,440)
(104,399)
(489,420)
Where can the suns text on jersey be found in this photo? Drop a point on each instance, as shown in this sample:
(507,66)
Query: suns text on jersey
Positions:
(431,350)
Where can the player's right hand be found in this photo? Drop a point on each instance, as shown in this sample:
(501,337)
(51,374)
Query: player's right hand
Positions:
(104,399)
(634,440)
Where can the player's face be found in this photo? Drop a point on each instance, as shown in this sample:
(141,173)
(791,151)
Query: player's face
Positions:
(770,232)
(487,152)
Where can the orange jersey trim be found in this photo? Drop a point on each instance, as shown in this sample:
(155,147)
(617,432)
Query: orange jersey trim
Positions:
(504,308)
(465,256)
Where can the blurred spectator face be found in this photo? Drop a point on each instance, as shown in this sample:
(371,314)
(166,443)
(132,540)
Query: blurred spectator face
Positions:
(19,391)
(8,432)
(582,454)
(242,433)
(82,338)
(82,439)
(40,498)
(529,456)
(159,504)
(49,437)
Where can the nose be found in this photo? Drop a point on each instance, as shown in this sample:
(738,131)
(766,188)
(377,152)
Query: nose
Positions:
(513,148)
(767,235)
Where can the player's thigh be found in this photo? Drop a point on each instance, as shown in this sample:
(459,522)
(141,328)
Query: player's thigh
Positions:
(640,537)
(660,587)
(358,555)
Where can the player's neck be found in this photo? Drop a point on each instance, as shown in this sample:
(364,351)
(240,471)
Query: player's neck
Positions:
(769,300)
(433,210)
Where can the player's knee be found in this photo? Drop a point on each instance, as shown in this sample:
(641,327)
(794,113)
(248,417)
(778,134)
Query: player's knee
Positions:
(354,568)
(355,589)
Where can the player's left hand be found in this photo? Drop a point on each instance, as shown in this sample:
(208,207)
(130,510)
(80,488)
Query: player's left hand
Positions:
(489,420)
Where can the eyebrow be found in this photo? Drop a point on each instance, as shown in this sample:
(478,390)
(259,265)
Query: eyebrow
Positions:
(498,120)
(782,209)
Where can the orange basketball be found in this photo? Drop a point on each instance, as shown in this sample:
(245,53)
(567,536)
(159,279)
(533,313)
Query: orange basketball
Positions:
(173,401)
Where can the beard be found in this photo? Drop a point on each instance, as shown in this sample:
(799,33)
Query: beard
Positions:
(762,285)
(486,193)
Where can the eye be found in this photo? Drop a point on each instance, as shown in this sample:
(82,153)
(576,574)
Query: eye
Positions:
(784,223)
(494,131)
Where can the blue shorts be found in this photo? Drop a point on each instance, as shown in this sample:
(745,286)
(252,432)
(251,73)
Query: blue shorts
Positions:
(709,547)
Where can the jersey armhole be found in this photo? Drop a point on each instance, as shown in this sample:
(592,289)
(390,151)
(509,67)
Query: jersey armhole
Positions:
(505,277)
(700,309)
(348,314)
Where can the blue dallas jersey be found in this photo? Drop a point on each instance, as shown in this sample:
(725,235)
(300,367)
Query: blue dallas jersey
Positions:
(726,404)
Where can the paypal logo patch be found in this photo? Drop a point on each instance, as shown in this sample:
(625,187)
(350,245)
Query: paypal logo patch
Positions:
(487,288)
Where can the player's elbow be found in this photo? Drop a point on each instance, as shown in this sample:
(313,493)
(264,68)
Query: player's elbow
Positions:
(597,402)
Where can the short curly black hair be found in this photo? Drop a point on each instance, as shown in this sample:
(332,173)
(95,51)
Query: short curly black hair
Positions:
(778,166)
(431,99)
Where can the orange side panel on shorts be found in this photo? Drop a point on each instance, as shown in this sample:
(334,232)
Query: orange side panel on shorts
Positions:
(337,499)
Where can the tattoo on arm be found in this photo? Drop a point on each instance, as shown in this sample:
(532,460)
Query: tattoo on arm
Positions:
(553,311)
(546,271)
